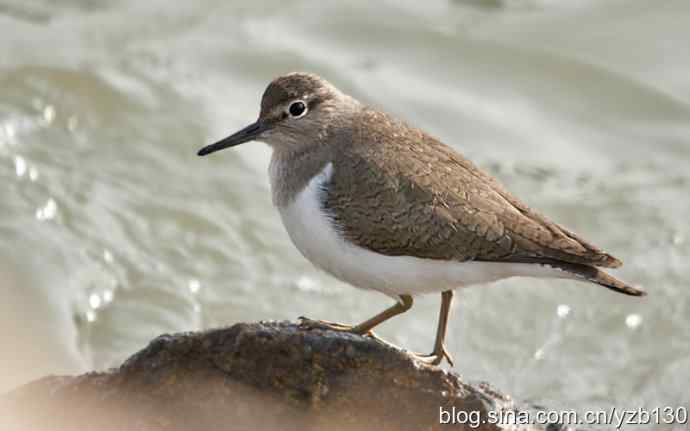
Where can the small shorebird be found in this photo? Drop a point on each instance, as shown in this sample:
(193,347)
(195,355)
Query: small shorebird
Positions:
(384,206)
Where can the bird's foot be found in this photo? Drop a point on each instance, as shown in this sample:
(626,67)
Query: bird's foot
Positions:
(435,357)
(308,323)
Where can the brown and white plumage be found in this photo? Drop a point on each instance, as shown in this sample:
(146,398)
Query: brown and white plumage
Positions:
(411,195)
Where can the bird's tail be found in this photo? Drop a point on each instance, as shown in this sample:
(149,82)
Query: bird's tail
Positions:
(595,275)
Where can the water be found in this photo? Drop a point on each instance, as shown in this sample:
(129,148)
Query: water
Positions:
(114,231)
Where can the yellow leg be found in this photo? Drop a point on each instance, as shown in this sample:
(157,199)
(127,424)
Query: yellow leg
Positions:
(364,328)
(440,352)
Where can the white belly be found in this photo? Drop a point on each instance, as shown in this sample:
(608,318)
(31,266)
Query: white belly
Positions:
(318,240)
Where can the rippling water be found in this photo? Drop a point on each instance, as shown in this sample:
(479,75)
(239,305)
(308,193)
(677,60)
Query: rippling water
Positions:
(113,231)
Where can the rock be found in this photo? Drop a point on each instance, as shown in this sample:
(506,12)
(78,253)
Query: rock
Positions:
(257,376)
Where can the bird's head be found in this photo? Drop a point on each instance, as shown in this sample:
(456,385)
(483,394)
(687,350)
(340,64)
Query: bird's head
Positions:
(296,110)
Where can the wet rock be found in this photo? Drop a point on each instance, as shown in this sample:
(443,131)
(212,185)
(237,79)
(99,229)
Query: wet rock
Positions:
(257,376)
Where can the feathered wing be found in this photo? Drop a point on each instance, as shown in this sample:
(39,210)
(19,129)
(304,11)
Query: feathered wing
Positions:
(428,201)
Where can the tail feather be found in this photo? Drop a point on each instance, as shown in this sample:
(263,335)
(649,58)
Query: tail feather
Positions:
(595,275)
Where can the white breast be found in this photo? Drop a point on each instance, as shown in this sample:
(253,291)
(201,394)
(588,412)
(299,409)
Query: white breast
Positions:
(314,234)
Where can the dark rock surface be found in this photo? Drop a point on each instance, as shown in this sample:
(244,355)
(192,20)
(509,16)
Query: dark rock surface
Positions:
(259,376)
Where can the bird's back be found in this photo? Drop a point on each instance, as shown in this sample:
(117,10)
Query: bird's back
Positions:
(418,197)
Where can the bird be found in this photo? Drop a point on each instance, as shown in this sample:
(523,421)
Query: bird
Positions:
(384,206)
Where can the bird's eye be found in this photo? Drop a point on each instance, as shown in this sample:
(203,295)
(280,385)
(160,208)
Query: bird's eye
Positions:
(297,109)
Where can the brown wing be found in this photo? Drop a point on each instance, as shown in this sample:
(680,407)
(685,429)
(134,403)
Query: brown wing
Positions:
(428,201)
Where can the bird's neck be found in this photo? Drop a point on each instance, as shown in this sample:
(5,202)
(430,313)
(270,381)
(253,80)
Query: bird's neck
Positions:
(291,170)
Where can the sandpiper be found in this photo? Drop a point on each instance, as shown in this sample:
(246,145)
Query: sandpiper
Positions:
(384,206)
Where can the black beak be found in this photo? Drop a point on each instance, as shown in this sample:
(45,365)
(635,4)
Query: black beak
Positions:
(247,134)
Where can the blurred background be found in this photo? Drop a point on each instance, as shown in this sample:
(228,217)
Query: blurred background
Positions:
(113,231)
